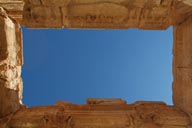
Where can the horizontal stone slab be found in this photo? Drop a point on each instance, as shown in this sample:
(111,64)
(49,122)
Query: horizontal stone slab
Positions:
(137,115)
(110,14)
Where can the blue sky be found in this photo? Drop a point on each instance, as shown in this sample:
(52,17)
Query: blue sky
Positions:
(74,65)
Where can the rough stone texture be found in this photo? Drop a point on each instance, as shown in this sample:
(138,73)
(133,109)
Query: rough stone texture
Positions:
(10,65)
(14,8)
(104,14)
(187,2)
(181,12)
(182,66)
(121,14)
(106,115)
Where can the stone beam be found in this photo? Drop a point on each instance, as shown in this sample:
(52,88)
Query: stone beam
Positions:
(111,14)
(99,113)
(104,14)
(11,61)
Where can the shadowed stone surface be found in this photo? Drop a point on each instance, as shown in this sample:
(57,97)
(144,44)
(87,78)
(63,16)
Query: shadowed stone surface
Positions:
(182,66)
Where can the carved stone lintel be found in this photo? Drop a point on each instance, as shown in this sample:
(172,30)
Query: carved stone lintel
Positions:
(138,115)
(110,14)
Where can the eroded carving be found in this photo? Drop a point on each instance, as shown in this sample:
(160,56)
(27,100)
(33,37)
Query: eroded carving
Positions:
(59,120)
(151,14)
(118,115)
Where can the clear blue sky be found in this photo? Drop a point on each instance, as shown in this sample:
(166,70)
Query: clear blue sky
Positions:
(73,65)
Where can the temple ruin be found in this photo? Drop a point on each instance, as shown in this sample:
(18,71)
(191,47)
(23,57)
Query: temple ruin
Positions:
(95,14)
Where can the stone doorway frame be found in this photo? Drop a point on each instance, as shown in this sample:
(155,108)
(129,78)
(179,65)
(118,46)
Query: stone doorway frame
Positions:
(109,14)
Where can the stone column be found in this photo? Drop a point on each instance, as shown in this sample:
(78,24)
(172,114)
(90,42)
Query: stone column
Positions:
(11,61)
(182,66)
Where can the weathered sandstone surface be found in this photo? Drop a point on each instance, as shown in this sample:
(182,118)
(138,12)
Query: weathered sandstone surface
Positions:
(95,14)
(14,8)
(99,113)
(120,14)
(10,65)
(182,66)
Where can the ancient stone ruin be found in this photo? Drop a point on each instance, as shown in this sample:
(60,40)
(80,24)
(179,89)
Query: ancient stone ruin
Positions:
(95,14)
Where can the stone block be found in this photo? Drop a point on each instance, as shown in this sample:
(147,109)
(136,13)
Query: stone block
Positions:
(9,100)
(43,17)
(106,15)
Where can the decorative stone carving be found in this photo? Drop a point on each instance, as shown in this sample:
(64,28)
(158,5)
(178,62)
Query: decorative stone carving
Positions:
(118,115)
(120,14)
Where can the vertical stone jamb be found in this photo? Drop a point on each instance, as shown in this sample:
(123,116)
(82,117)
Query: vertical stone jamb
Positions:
(182,66)
(11,61)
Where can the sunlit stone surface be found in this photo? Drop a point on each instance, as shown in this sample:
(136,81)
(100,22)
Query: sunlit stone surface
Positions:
(10,65)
